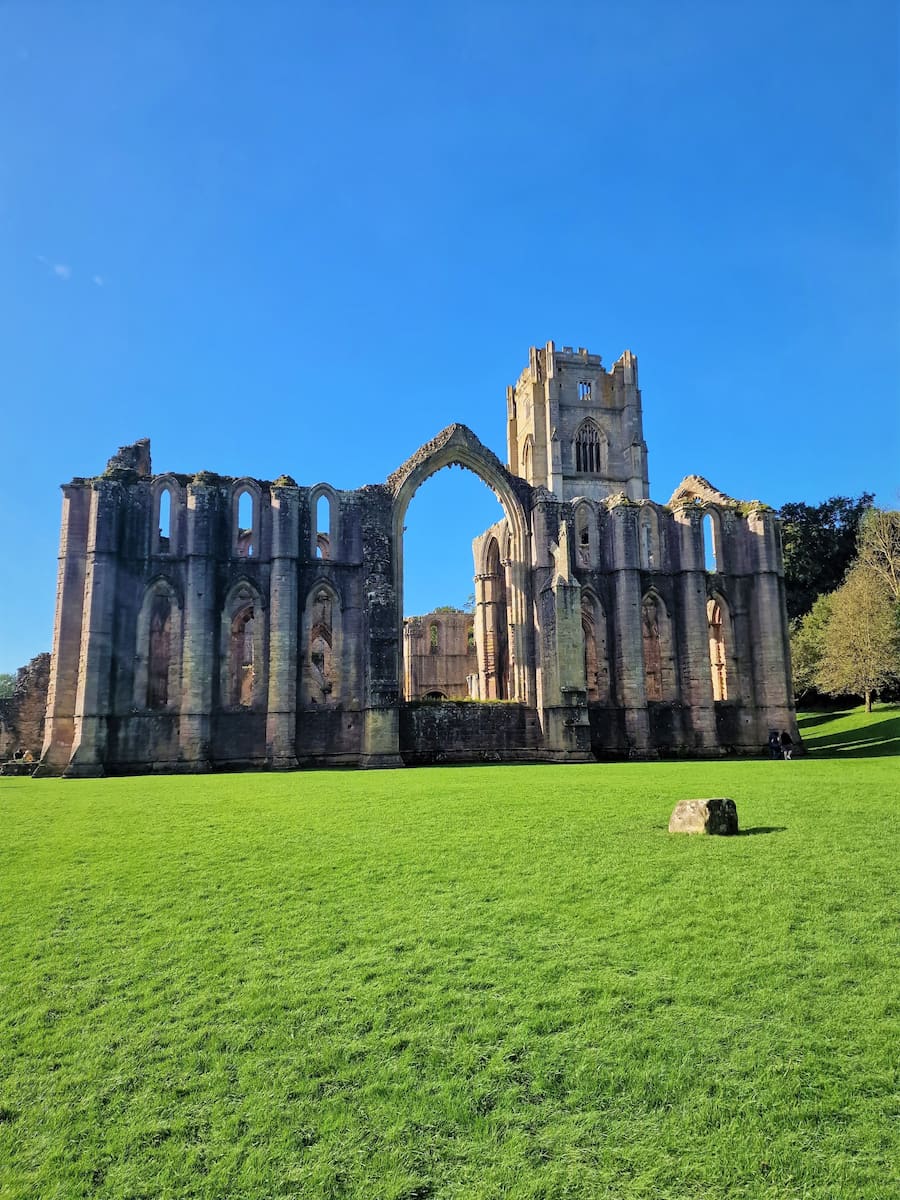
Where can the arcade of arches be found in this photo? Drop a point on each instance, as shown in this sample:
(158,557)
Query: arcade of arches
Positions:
(259,623)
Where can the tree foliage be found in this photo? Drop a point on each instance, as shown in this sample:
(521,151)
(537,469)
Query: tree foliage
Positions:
(819,546)
(879,547)
(808,646)
(7,685)
(861,651)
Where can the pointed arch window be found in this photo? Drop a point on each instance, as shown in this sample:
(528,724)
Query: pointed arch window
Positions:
(650,635)
(718,660)
(241,668)
(596,663)
(589,449)
(528,459)
(245,521)
(160,652)
(649,539)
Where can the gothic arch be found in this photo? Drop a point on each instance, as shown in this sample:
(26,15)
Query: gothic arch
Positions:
(324,542)
(586,534)
(458,445)
(596,653)
(166,542)
(649,546)
(157,661)
(245,543)
(323,662)
(658,648)
(721,647)
(242,648)
(590,448)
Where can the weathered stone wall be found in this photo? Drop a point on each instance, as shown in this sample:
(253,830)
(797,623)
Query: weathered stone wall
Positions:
(439,655)
(22,714)
(447,731)
(208,622)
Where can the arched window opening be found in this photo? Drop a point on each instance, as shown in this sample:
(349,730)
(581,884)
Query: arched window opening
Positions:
(160,652)
(241,665)
(588,446)
(647,534)
(527,459)
(717,656)
(653,680)
(323,526)
(710,544)
(164,534)
(496,624)
(321,662)
(245,514)
(583,535)
(596,664)
(444,531)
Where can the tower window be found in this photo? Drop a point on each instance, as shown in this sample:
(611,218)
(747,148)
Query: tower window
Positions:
(584,389)
(587,448)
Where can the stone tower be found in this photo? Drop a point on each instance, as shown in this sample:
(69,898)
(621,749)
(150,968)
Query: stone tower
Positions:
(575,428)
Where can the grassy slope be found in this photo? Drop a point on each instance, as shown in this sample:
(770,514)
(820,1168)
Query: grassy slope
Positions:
(499,981)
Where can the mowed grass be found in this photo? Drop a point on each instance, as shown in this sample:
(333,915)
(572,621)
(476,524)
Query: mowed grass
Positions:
(483,982)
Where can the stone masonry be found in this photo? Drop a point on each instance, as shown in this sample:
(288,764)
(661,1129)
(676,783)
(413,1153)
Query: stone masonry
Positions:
(206,622)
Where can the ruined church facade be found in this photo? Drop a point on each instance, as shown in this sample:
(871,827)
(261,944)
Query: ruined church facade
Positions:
(210,623)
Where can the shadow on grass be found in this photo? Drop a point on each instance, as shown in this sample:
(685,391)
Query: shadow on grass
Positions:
(810,720)
(858,734)
(761,829)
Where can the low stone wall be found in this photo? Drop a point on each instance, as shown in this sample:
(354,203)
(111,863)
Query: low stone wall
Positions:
(460,731)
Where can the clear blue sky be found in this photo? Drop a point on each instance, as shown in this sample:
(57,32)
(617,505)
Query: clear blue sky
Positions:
(286,237)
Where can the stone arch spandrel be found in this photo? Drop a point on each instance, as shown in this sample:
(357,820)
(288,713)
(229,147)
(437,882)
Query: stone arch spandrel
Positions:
(458,446)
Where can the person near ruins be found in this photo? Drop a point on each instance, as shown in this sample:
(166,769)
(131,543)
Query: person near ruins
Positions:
(787,745)
(775,750)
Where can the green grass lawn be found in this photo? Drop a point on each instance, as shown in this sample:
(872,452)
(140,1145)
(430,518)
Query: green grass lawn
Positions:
(483,982)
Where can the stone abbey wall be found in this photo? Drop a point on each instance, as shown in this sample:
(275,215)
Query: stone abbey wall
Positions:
(207,622)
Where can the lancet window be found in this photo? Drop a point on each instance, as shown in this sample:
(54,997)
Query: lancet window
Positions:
(588,448)
(717,649)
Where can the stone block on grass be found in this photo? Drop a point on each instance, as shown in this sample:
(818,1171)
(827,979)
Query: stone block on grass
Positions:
(718,816)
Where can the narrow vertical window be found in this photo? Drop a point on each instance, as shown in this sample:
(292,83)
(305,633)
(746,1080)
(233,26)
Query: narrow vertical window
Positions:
(717,660)
(165,521)
(160,652)
(433,639)
(241,666)
(245,545)
(647,539)
(321,648)
(584,389)
(710,545)
(323,527)
(652,649)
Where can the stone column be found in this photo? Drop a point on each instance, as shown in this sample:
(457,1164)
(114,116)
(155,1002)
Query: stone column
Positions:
(200,651)
(284,632)
(770,648)
(629,647)
(695,672)
(64,663)
(93,697)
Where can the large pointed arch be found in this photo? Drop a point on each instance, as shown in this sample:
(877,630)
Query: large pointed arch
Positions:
(157,660)
(242,648)
(458,445)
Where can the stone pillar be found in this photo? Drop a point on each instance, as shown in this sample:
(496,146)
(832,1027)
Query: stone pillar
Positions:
(199,653)
(629,647)
(771,662)
(92,701)
(59,726)
(695,673)
(284,632)
(380,625)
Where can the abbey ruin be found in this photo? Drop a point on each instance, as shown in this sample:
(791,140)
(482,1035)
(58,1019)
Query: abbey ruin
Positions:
(207,623)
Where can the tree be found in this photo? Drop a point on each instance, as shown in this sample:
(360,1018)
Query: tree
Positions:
(808,646)
(7,685)
(879,547)
(861,653)
(819,545)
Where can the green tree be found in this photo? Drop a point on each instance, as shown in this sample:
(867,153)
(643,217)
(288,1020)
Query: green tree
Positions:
(7,685)
(861,653)
(819,546)
(879,547)
(808,646)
